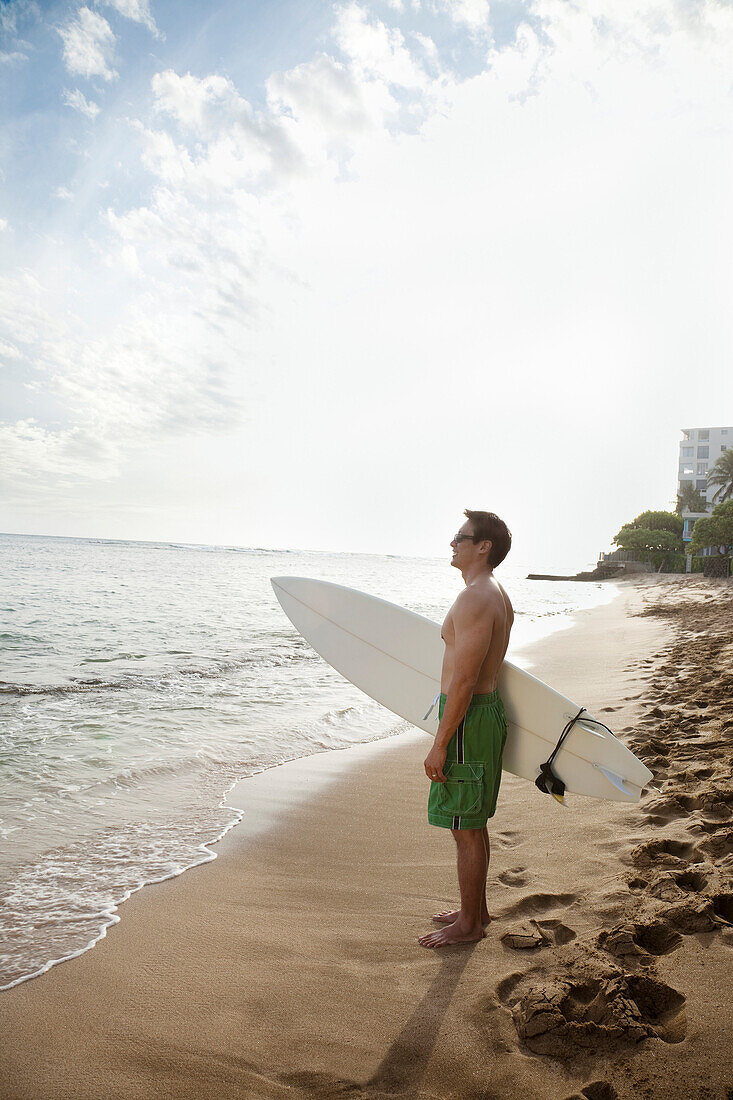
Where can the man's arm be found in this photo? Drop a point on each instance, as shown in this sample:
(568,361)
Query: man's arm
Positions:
(473,622)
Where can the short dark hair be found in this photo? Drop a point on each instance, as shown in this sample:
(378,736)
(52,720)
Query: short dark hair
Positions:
(487,525)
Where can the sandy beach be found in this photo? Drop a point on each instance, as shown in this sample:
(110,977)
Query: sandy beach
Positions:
(289,966)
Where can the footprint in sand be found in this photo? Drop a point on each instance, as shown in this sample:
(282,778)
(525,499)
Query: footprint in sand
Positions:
(513,876)
(536,905)
(668,807)
(669,852)
(673,885)
(506,986)
(693,881)
(506,839)
(638,938)
(723,907)
(720,845)
(600,1090)
(703,824)
(720,773)
(596,1090)
(694,914)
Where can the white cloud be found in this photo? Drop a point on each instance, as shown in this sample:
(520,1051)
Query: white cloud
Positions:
(375,50)
(137,10)
(9,351)
(474,15)
(427,44)
(79,102)
(9,58)
(88,45)
(39,461)
(316,113)
(232,145)
(326,110)
(63,193)
(3,225)
(155,373)
(322,93)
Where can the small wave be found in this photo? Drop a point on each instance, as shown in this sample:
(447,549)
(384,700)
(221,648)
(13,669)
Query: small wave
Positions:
(160,681)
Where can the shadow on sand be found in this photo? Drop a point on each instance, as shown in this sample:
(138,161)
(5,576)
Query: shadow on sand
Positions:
(405,1062)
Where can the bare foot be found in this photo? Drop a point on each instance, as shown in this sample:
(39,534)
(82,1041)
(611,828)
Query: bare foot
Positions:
(448,916)
(452,933)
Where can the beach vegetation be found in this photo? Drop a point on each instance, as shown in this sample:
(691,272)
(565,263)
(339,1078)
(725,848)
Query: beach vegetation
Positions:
(690,499)
(656,537)
(715,530)
(721,474)
(655,521)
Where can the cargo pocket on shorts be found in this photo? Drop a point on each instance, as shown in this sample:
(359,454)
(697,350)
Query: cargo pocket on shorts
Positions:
(462,791)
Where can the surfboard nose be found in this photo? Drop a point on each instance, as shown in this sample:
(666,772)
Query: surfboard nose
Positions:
(281,582)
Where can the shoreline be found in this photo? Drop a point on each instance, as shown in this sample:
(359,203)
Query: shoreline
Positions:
(210,849)
(289,964)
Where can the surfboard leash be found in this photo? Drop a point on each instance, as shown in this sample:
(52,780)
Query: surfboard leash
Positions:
(547,781)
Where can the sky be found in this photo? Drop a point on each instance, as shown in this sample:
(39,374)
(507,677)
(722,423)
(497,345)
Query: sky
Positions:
(315,275)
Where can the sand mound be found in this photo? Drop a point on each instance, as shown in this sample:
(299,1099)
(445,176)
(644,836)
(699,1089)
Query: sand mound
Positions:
(598,1009)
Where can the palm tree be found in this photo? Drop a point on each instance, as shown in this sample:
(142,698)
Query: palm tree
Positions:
(690,498)
(722,474)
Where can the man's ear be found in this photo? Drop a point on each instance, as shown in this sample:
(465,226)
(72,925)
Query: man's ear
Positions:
(488,544)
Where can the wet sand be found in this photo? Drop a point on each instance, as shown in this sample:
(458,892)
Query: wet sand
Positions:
(289,966)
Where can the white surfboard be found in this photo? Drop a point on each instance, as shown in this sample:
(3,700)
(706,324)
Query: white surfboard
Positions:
(395,657)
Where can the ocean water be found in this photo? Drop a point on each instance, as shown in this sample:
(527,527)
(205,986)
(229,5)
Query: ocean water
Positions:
(139,681)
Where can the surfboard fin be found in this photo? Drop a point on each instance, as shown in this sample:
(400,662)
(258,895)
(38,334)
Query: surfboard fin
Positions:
(618,781)
(559,798)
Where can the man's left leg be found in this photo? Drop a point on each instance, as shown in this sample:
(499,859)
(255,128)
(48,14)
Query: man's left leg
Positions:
(448,916)
(472,871)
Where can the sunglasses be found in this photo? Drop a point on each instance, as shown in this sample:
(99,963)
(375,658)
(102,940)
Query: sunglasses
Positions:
(461,538)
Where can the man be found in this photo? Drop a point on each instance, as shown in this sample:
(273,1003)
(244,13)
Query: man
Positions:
(464,764)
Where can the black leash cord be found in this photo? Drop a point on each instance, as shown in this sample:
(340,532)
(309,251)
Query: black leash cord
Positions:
(547,781)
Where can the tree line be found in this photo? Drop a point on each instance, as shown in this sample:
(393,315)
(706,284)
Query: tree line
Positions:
(657,536)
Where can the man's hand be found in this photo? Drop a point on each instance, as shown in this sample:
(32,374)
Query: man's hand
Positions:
(434,762)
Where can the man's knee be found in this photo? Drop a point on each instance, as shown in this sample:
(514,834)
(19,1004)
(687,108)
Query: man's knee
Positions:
(468,836)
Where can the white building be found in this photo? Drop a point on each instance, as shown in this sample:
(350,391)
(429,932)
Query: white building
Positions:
(700,448)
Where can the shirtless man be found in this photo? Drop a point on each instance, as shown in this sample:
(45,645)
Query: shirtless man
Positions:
(464,764)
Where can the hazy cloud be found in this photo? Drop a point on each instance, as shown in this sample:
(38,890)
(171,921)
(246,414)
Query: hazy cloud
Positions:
(88,45)
(137,10)
(38,461)
(474,15)
(9,351)
(375,50)
(79,102)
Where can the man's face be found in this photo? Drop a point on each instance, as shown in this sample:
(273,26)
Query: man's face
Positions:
(464,550)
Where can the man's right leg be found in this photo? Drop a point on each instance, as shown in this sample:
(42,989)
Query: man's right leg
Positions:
(448,916)
(467,927)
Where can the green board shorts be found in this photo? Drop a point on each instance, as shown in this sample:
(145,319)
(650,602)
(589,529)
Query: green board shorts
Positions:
(472,767)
